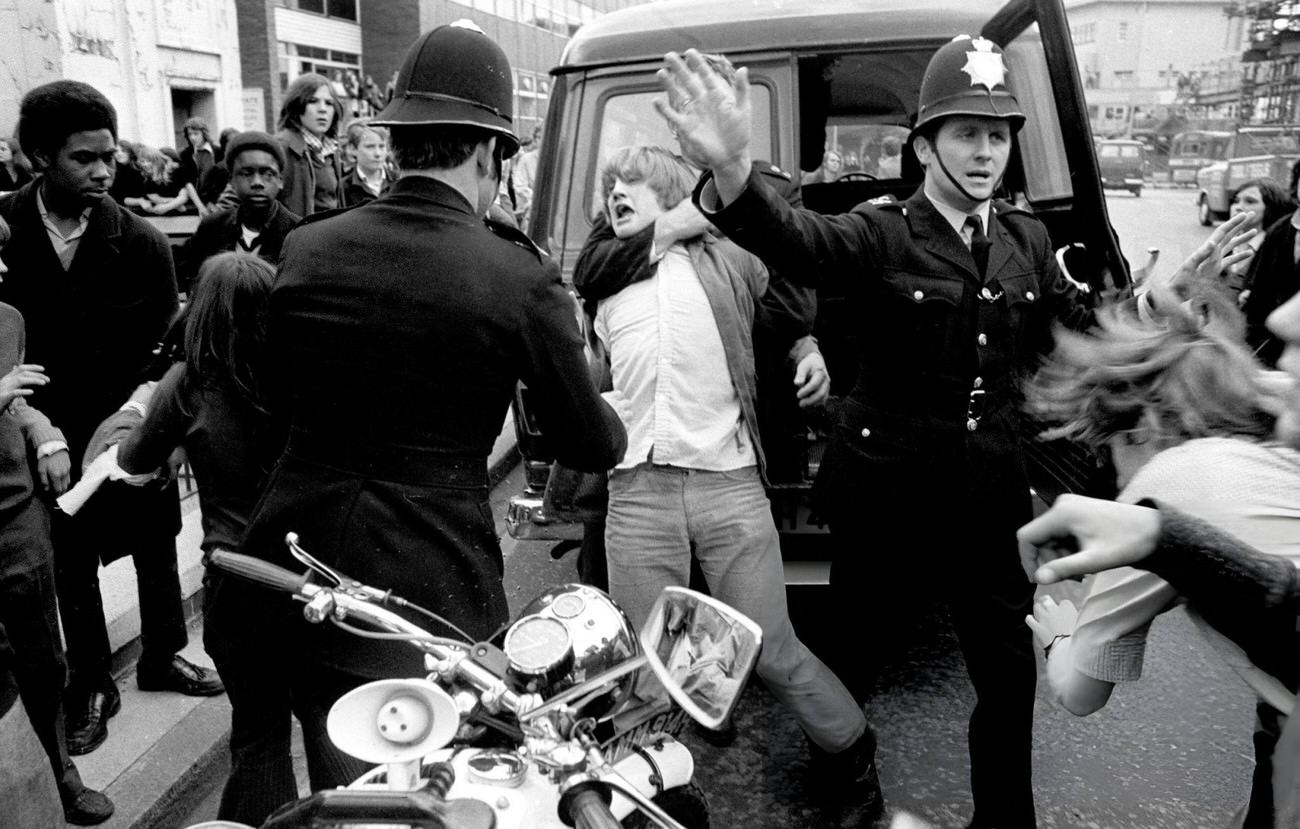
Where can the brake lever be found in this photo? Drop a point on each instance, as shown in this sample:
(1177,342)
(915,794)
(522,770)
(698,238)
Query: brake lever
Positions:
(335,579)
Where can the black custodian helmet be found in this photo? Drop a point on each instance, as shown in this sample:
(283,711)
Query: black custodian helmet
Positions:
(967,76)
(455,74)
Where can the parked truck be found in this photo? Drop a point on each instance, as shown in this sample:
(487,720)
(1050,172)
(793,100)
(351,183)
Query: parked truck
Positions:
(1253,152)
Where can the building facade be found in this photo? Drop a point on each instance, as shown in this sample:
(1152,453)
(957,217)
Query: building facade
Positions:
(158,61)
(1140,59)
(360,44)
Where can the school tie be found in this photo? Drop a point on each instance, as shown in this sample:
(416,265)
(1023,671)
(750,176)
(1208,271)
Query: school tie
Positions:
(979,243)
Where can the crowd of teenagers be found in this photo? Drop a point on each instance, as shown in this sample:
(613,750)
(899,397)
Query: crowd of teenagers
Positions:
(343,374)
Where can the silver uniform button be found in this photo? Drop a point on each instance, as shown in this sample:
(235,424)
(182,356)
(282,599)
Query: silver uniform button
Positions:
(866,433)
(1029,295)
(918,295)
(979,381)
(982,339)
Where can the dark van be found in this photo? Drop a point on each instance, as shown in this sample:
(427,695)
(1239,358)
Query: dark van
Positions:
(828,78)
(1123,164)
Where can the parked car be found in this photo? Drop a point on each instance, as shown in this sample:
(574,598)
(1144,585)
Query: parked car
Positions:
(1253,152)
(1123,164)
(822,75)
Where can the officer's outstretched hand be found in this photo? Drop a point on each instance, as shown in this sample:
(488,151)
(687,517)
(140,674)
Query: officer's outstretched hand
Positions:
(1080,535)
(711,119)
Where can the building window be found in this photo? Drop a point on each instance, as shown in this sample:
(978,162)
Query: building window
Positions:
(343,9)
(1123,31)
(532,93)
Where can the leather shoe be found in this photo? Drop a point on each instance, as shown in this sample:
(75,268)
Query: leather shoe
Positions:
(180,675)
(87,807)
(87,718)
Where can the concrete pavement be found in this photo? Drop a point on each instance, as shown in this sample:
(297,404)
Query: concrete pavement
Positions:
(165,750)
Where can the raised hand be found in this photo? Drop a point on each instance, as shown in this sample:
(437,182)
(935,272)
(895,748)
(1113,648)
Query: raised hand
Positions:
(712,120)
(1223,248)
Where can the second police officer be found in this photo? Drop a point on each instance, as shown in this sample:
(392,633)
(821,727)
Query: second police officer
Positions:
(398,330)
(924,481)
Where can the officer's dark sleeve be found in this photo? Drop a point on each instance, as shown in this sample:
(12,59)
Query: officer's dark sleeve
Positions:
(805,247)
(608,264)
(584,430)
(788,309)
(1250,597)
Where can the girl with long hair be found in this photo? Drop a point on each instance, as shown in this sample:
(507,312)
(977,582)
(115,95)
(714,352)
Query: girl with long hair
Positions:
(212,405)
(309,127)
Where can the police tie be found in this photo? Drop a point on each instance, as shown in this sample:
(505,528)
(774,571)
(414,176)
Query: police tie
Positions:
(979,244)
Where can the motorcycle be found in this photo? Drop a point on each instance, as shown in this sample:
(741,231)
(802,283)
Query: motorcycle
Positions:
(573,744)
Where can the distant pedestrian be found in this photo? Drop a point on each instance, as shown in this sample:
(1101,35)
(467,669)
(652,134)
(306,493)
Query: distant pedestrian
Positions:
(202,163)
(15,169)
(1269,202)
(258,224)
(369,178)
(309,128)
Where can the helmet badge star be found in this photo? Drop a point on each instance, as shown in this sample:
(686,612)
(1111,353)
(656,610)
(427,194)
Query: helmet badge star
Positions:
(984,65)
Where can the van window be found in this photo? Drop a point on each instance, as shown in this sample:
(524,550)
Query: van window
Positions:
(1042,148)
(628,118)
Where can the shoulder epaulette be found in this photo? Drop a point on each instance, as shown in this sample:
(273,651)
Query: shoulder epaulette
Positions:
(767,168)
(515,235)
(1006,208)
(886,201)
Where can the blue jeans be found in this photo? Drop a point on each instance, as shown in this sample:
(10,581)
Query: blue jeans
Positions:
(658,515)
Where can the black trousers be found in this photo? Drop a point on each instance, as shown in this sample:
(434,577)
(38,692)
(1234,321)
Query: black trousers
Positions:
(268,683)
(941,523)
(119,520)
(28,614)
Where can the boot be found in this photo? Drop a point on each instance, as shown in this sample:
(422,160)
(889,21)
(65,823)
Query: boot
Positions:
(847,783)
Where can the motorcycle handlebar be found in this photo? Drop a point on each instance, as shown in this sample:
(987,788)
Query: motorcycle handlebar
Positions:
(255,569)
(343,605)
(588,807)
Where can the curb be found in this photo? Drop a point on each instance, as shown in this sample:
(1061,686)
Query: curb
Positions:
(192,758)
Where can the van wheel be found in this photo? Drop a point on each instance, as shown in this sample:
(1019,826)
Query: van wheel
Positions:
(685,804)
(1203,211)
(1137,192)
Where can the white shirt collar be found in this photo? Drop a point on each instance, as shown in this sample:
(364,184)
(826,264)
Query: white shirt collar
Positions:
(957,218)
(54,229)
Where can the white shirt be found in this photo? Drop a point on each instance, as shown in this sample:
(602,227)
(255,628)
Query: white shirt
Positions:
(64,246)
(672,388)
(957,218)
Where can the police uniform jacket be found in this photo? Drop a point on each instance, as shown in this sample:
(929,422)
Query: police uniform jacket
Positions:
(941,349)
(398,330)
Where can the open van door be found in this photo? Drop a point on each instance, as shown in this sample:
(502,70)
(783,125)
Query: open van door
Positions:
(1076,215)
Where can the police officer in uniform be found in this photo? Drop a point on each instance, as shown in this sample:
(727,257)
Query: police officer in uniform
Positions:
(398,331)
(924,481)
